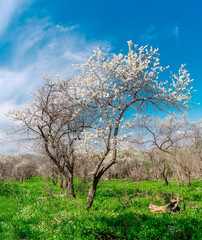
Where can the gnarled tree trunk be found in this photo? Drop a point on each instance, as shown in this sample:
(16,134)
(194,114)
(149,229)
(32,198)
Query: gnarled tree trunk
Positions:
(71,186)
(92,191)
(165,176)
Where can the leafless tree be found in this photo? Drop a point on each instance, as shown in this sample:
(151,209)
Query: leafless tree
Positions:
(176,137)
(159,163)
(55,121)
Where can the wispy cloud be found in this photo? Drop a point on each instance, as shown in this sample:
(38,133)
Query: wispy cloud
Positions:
(153,34)
(39,47)
(150,34)
(174,31)
(68,28)
(8,9)
(6,146)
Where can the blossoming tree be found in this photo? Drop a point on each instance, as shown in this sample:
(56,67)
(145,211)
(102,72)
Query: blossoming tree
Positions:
(93,108)
(120,83)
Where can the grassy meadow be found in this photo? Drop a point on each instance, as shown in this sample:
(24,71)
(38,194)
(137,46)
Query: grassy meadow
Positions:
(120,211)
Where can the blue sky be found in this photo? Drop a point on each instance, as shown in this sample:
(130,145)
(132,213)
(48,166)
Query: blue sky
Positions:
(40,37)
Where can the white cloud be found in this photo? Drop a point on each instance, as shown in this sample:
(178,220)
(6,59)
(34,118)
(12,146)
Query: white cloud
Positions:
(69,28)
(9,8)
(38,51)
(153,34)
(7,145)
(52,45)
(40,48)
(13,84)
(175,30)
(9,148)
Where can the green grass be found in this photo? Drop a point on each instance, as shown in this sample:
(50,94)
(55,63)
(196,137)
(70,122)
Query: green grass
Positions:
(120,211)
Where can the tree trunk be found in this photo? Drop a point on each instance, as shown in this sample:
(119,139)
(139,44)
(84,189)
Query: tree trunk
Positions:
(187,174)
(92,191)
(61,181)
(71,186)
(22,178)
(188,183)
(65,184)
(54,178)
(165,180)
(165,177)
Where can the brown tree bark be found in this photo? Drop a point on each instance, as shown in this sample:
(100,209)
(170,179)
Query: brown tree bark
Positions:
(64,183)
(188,182)
(92,191)
(61,181)
(54,179)
(71,193)
(165,177)
(99,169)
(165,180)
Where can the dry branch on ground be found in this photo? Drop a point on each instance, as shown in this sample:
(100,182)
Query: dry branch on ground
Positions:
(171,207)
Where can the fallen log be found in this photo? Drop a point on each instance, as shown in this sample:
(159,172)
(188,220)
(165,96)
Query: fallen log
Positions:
(171,207)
